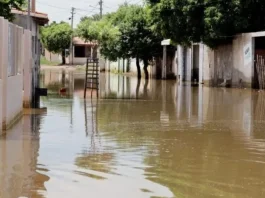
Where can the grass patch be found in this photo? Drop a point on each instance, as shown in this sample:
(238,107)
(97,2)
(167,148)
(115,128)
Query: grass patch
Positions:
(44,61)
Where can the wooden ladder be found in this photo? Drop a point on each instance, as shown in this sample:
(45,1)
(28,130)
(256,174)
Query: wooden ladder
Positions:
(92,76)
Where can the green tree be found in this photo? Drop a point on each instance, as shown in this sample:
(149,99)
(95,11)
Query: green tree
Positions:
(137,38)
(57,37)
(7,5)
(95,17)
(102,32)
(126,33)
(213,22)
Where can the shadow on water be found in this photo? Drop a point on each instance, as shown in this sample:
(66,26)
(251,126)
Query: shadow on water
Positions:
(140,139)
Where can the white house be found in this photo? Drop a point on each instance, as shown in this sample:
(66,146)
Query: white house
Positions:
(82,50)
(231,64)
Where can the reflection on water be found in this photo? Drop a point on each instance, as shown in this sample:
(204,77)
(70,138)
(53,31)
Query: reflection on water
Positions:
(20,174)
(140,139)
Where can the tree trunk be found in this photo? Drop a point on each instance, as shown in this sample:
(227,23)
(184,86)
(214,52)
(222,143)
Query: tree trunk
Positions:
(138,88)
(138,68)
(145,69)
(63,57)
(146,88)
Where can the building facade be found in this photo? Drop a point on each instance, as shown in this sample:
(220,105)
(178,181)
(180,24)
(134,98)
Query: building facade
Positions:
(19,64)
(229,65)
(15,63)
(82,50)
(37,20)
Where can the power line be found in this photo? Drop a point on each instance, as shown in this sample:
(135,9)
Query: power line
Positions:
(66,9)
(45,4)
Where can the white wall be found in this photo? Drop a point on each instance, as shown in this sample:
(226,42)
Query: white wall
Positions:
(79,61)
(207,64)
(52,57)
(114,66)
(1,71)
(175,64)
(1,101)
(15,51)
(27,72)
(180,62)
(225,62)
(14,99)
(240,69)
(184,63)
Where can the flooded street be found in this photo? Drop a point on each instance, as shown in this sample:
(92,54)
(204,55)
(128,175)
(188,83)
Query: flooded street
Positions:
(139,140)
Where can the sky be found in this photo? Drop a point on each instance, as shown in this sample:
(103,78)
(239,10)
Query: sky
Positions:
(60,10)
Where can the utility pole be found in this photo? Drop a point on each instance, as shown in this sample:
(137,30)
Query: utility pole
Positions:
(29,17)
(101,8)
(72,25)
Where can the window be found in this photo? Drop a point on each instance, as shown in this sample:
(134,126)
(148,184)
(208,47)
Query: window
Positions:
(80,51)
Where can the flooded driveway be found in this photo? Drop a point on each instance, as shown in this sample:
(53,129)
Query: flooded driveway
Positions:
(139,140)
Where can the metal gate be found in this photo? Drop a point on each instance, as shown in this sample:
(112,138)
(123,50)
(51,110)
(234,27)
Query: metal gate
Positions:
(260,67)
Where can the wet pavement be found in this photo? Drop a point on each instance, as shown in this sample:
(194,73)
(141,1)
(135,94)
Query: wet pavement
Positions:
(144,139)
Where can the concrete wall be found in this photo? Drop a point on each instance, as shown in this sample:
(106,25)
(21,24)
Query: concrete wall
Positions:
(1,101)
(79,61)
(15,48)
(14,100)
(27,71)
(229,63)
(22,21)
(118,65)
(225,65)
(3,66)
(185,63)
(208,63)
(180,62)
(52,57)
(1,72)
(242,71)
(222,68)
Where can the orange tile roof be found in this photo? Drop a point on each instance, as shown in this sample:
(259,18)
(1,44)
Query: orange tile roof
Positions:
(80,41)
(37,15)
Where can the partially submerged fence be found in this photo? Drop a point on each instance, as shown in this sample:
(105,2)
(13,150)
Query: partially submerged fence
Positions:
(260,68)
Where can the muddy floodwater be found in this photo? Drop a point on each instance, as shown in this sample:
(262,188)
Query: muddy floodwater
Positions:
(140,139)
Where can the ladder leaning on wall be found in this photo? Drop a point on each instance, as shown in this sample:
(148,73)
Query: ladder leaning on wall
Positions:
(92,76)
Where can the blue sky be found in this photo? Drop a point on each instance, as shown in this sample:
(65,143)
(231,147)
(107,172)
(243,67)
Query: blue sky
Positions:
(59,10)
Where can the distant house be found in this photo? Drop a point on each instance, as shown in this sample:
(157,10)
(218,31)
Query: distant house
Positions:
(233,64)
(82,50)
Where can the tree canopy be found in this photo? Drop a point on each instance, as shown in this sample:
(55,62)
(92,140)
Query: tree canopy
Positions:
(56,37)
(210,21)
(126,33)
(7,5)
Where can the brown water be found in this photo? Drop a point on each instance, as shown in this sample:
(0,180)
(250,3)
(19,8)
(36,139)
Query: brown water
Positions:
(139,140)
